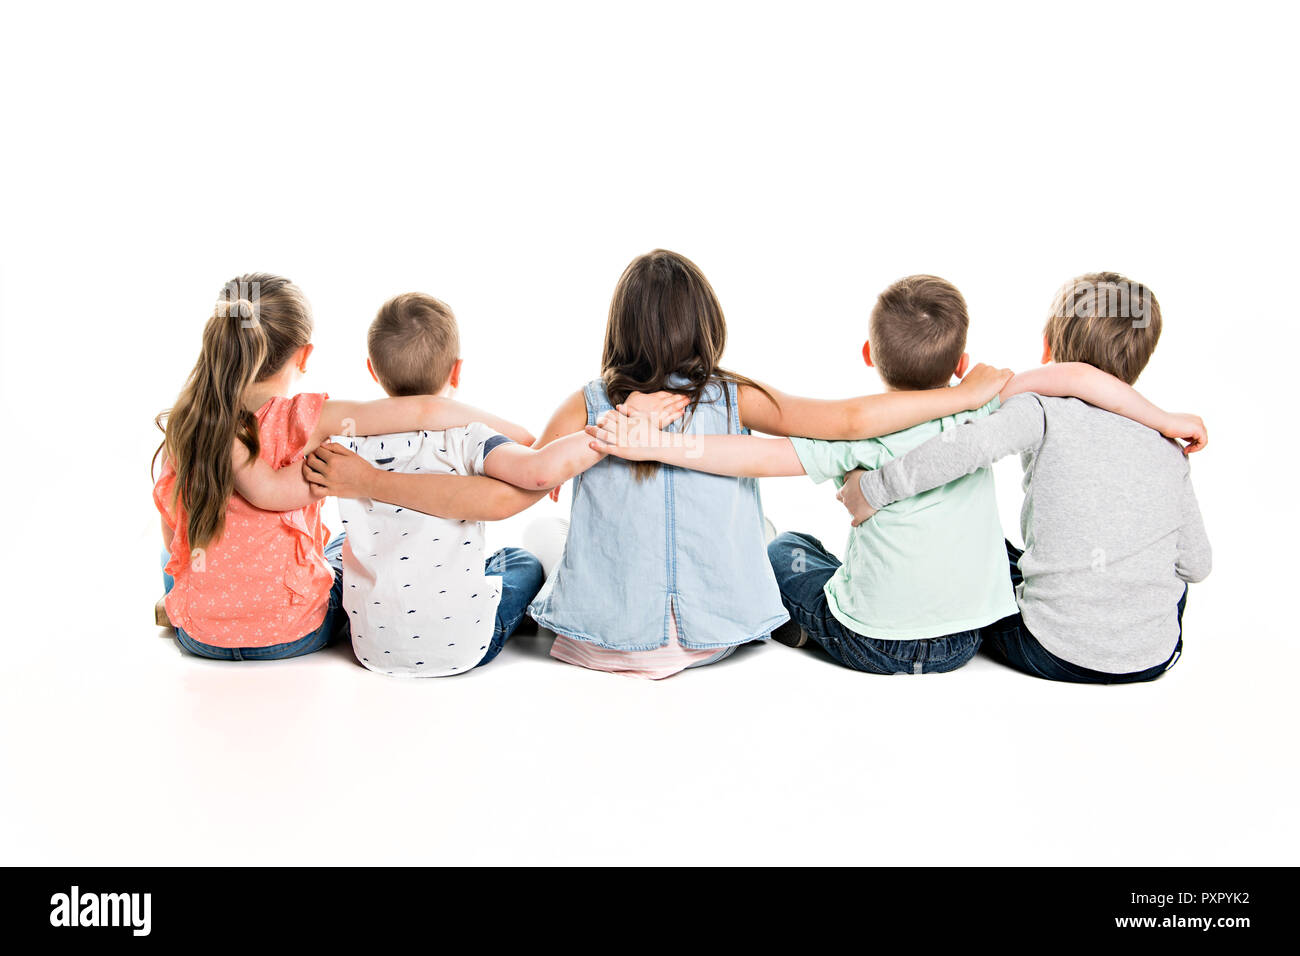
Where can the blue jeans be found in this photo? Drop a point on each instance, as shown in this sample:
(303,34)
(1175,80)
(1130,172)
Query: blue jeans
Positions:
(332,630)
(803,593)
(1010,642)
(521,579)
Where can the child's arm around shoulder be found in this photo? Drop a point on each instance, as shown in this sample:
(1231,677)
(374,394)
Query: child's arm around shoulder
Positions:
(267,488)
(641,438)
(334,470)
(541,469)
(564,450)
(868,416)
(1105,391)
(407,413)
(1017,426)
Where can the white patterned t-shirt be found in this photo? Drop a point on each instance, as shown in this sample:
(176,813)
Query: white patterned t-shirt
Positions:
(418,600)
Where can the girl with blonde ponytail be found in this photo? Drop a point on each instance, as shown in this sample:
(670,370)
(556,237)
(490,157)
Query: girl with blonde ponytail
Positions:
(248,573)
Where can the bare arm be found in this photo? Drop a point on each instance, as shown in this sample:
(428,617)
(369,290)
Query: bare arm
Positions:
(570,417)
(744,456)
(1092,385)
(558,455)
(407,414)
(271,489)
(334,470)
(867,416)
(544,468)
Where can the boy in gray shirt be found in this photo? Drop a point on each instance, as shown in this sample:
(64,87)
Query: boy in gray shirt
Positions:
(1111,525)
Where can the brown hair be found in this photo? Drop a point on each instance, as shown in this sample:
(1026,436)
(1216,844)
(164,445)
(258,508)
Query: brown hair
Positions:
(664,321)
(413,344)
(259,321)
(918,332)
(1107,321)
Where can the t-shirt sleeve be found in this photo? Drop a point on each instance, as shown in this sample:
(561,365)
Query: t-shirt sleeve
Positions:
(303,415)
(477,442)
(289,424)
(162,494)
(829,460)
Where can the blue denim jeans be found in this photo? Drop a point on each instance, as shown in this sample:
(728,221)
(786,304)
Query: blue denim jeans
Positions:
(521,579)
(332,630)
(803,593)
(1010,642)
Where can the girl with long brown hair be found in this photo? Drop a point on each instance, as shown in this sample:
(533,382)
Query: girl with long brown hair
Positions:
(248,573)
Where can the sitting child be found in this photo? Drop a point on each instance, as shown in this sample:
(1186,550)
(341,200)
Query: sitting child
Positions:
(915,588)
(1112,530)
(420,597)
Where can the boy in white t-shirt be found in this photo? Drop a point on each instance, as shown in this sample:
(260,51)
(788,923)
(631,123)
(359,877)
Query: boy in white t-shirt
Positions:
(421,598)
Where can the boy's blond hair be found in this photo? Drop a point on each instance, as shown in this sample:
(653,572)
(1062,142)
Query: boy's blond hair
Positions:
(413,344)
(918,332)
(1107,321)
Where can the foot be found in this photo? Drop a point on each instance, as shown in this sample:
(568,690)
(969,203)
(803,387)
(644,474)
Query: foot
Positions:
(790,634)
(160,614)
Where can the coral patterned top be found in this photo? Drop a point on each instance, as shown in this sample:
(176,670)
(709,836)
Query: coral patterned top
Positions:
(265,580)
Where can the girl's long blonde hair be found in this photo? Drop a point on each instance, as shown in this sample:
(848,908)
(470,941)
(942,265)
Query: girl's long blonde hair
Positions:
(259,321)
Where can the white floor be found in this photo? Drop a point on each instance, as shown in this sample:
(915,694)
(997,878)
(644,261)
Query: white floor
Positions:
(130,753)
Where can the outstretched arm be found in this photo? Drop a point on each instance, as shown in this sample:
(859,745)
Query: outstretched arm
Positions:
(1092,385)
(867,416)
(558,456)
(408,413)
(334,470)
(1017,426)
(542,468)
(745,456)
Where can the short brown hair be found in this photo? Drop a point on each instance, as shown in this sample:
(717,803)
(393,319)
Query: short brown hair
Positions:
(1107,321)
(918,332)
(413,344)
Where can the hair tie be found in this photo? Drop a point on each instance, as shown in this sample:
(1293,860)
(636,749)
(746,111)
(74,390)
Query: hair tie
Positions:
(245,310)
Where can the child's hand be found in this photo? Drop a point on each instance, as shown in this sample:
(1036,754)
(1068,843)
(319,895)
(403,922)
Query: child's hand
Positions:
(334,470)
(1190,429)
(851,497)
(634,438)
(662,408)
(982,383)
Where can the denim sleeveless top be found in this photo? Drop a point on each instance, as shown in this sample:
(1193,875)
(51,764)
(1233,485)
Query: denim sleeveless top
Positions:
(680,541)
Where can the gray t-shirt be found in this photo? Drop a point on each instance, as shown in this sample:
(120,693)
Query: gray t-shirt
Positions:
(1111,525)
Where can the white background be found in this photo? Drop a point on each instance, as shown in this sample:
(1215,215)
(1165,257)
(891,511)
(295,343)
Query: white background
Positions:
(511,159)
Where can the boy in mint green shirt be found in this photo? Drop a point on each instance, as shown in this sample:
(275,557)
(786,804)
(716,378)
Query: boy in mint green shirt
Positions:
(914,589)
(933,567)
